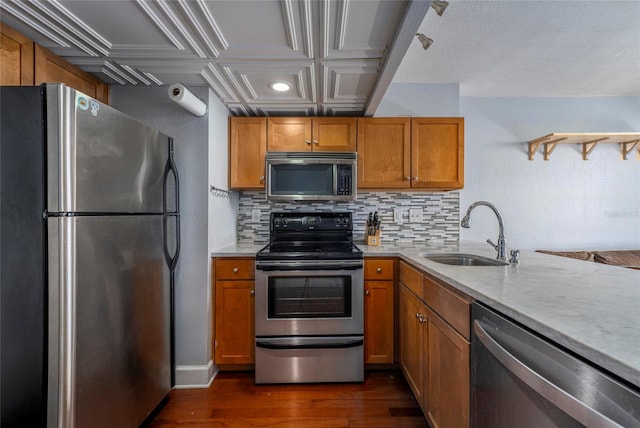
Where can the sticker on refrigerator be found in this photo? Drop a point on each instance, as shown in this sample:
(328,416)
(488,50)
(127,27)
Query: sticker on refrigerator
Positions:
(83,103)
(94,108)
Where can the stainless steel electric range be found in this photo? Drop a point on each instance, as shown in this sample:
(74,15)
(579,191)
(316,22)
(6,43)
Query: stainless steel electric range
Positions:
(309,316)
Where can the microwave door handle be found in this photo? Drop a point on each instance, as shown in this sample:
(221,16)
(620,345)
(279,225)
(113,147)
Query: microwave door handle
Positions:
(335,178)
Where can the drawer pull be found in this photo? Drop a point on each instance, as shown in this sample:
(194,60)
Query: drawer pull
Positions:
(234,270)
(379,270)
(366,293)
(252,292)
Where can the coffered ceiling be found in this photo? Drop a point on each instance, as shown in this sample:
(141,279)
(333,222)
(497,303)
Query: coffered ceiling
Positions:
(339,56)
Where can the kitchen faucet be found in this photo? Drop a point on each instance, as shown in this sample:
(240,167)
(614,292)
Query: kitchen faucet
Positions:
(500,248)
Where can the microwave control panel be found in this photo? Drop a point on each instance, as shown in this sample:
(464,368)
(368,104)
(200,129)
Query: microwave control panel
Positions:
(345,180)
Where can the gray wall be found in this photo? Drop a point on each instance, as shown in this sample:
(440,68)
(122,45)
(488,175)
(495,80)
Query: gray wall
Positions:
(563,203)
(152,106)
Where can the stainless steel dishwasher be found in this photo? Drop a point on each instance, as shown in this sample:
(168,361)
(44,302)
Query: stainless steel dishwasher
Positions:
(520,379)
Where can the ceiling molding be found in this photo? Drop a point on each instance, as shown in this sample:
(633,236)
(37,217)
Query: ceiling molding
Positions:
(217,31)
(329,51)
(341,24)
(335,84)
(79,28)
(160,24)
(219,85)
(199,29)
(307,28)
(287,110)
(180,26)
(289,24)
(45,26)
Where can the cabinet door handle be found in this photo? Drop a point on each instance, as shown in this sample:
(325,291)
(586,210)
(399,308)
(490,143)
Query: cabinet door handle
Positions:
(252,292)
(408,178)
(366,292)
(315,142)
(262,178)
(379,270)
(308,142)
(415,178)
(421,318)
(234,270)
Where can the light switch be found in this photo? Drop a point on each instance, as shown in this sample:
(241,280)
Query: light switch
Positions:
(255,215)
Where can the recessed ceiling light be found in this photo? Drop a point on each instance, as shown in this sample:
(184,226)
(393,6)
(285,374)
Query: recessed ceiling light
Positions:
(280,86)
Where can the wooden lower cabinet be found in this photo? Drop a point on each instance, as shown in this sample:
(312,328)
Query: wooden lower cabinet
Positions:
(412,333)
(447,395)
(234,331)
(379,311)
(434,356)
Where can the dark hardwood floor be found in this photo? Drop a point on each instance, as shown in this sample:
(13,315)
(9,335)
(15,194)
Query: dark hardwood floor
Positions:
(234,400)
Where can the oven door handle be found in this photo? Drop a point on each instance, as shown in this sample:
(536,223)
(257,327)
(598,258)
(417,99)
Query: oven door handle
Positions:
(298,265)
(351,343)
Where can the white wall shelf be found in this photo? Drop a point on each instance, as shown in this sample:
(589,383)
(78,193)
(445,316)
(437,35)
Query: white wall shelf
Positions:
(628,142)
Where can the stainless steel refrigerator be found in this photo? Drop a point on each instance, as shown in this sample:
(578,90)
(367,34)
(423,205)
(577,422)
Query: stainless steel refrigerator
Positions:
(89,243)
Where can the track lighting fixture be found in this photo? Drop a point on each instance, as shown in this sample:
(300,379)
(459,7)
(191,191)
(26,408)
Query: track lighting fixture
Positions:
(426,42)
(439,6)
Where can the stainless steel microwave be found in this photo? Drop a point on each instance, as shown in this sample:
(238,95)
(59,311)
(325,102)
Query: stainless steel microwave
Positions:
(311,176)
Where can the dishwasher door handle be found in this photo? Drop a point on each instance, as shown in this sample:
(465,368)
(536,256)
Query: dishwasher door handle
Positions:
(565,401)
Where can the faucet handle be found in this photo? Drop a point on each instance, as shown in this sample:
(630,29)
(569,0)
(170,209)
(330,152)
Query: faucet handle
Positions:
(514,257)
(490,242)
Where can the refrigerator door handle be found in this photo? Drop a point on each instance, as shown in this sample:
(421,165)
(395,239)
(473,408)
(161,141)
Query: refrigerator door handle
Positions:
(170,168)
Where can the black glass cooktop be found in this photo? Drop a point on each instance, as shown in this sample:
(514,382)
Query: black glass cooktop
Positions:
(317,250)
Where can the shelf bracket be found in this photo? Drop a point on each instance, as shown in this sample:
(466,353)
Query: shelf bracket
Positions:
(550,146)
(534,144)
(588,146)
(627,147)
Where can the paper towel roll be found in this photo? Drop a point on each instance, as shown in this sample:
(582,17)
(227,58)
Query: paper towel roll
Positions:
(187,100)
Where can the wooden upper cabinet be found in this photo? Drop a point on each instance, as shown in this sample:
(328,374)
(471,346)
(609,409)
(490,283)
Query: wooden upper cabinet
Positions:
(50,68)
(437,153)
(334,134)
(300,134)
(247,148)
(384,153)
(289,134)
(24,63)
(16,58)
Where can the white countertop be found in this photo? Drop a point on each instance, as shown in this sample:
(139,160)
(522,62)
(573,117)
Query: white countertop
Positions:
(590,308)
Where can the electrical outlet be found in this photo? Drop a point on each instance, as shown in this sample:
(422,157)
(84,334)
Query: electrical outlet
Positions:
(255,215)
(415,215)
(397,216)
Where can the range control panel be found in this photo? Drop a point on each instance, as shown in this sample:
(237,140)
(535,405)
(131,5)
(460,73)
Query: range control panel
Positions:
(297,222)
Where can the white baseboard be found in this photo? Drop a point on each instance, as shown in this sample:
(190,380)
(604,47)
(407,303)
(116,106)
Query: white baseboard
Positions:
(195,376)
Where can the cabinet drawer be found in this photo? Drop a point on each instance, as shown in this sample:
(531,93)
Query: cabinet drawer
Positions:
(451,306)
(235,268)
(411,278)
(378,269)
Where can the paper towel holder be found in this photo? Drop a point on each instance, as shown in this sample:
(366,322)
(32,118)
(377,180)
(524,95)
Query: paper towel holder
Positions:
(187,100)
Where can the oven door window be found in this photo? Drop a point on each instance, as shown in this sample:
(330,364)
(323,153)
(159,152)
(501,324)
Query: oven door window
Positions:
(309,297)
(296,179)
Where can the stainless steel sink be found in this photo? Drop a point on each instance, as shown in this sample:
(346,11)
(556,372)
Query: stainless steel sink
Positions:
(459,259)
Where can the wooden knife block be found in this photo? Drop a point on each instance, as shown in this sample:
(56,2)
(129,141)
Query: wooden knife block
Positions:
(373,240)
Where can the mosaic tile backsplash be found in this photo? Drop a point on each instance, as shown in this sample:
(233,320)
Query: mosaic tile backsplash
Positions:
(440,215)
